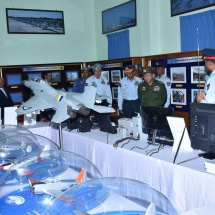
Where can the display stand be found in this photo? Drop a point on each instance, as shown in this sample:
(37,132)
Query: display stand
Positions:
(10,116)
(60,136)
(177,125)
(59,127)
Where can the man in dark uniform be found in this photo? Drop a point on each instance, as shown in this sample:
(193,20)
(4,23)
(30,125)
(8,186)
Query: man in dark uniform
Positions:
(5,98)
(152,93)
(79,84)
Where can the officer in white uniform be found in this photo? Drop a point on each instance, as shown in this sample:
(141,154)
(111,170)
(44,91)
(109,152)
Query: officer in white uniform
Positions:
(160,70)
(128,102)
(101,83)
(208,96)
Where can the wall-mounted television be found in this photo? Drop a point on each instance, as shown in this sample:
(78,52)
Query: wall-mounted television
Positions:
(13,79)
(71,75)
(17,97)
(180,6)
(56,76)
(31,75)
(119,17)
(30,21)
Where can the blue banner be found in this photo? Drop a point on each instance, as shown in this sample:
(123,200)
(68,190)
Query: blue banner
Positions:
(184,60)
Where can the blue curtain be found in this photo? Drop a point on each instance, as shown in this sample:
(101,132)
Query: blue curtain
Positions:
(118,45)
(198,30)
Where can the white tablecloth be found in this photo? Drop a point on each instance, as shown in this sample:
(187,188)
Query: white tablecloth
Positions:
(206,210)
(187,185)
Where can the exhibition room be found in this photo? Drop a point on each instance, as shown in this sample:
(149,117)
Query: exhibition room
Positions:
(107,107)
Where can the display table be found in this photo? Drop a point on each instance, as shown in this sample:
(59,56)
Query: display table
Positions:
(187,185)
(41,128)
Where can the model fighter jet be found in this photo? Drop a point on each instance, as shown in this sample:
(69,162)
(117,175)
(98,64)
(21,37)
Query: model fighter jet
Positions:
(54,187)
(66,104)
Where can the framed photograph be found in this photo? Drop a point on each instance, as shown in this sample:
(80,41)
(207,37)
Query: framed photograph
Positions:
(115,92)
(26,21)
(194,93)
(198,74)
(181,6)
(120,17)
(178,74)
(56,76)
(115,76)
(106,75)
(17,97)
(35,75)
(13,79)
(178,96)
(71,75)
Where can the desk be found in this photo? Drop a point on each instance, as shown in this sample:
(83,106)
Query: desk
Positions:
(187,186)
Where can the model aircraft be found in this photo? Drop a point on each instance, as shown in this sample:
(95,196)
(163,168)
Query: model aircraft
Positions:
(40,166)
(53,186)
(14,150)
(112,196)
(59,168)
(66,104)
(20,146)
(6,166)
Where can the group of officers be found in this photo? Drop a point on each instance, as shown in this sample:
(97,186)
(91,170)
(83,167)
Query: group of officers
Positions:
(133,91)
(151,89)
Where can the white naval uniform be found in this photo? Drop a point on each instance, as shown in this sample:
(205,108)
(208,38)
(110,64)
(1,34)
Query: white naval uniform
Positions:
(128,90)
(167,83)
(102,85)
(210,90)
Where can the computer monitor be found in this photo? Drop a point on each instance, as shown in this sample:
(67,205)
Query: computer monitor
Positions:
(17,97)
(56,76)
(202,122)
(154,119)
(71,75)
(104,123)
(31,75)
(13,79)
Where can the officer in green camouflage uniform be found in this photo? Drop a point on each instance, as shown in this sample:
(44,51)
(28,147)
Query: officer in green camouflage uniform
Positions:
(152,93)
